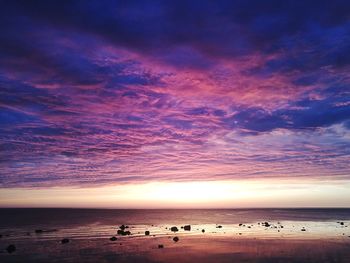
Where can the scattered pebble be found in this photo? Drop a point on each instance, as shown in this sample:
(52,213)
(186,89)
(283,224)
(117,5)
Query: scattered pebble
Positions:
(65,241)
(11,248)
(123,233)
(187,227)
(266,224)
(176,239)
(40,231)
(174,229)
(113,238)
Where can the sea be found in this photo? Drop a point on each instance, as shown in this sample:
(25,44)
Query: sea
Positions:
(38,233)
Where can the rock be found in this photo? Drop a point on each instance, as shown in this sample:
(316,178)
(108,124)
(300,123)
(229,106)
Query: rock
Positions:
(123,233)
(147,233)
(113,238)
(303,229)
(160,246)
(341,223)
(174,229)
(65,241)
(219,226)
(187,227)
(203,230)
(176,239)
(123,227)
(11,248)
(40,231)
(266,224)
(240,224)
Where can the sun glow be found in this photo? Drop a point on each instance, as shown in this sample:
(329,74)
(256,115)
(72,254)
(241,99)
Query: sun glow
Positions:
(207,194)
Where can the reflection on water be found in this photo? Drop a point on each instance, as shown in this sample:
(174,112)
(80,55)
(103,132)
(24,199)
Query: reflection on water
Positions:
(225,231)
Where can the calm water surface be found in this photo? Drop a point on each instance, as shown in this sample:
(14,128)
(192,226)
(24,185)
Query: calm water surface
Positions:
(89,231)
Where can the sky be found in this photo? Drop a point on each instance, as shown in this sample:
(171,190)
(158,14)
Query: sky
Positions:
(151,104)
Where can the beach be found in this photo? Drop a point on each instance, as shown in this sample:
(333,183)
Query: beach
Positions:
(229,235)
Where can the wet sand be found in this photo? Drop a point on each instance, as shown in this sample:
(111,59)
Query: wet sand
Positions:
(187,249)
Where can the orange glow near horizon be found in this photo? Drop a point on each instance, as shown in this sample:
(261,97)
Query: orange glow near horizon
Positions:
(207,194)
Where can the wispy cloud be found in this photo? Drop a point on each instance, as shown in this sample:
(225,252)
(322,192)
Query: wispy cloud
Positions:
(98,92)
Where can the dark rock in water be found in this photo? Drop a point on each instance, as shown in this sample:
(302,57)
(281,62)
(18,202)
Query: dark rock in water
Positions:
(187,227)
(176,239)
(65,241)
(40,231)
(147,233)
(123,233)
(160,246)
(219,226)
(341,223)
(11,248)
(203,230)
(123,227)
(113,239)
(240,224)
(174,229)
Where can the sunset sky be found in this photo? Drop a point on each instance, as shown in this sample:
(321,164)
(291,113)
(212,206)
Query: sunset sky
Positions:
(153,104)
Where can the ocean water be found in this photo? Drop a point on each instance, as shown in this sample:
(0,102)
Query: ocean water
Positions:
(89,232)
